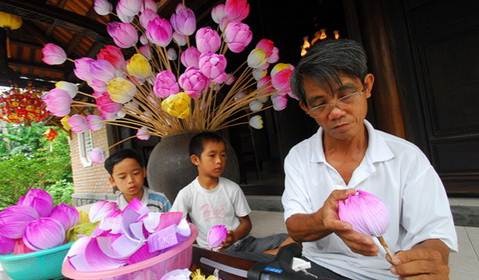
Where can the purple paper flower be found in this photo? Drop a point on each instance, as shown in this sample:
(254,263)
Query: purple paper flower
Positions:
(65,214)
(213,66)
(58,102)
(78,123)
(159,32)
(165,84)
(193,82)
(183,20)
(217,235)
(38,199)
(190,57)
(207,40)
(124,34)
(237,36)
(43,233)
(365,212)
(53,54)
(14,219)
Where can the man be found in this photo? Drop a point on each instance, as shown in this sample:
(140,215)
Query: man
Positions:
(347,153)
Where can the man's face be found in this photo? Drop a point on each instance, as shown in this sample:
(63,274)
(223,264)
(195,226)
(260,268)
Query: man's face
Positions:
(128,176)
(212,160)
(341,112)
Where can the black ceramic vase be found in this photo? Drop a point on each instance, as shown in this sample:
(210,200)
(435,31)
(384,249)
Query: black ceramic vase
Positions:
(170,169)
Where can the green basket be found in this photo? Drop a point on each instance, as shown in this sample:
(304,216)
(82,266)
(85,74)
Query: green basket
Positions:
(39,265)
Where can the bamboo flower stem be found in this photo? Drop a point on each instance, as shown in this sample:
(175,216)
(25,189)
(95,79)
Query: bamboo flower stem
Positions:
(385,246)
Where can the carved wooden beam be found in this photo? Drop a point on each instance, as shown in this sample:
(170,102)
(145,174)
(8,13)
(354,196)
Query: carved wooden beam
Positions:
(29,9)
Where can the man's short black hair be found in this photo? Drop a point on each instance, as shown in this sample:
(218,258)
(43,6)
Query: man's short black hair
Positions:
(197,141)
(120,155)
(326,61)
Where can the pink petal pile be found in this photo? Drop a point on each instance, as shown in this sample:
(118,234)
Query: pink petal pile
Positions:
(35,223)
(126,237)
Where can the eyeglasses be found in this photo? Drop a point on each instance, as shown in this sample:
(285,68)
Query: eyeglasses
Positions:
(327,107)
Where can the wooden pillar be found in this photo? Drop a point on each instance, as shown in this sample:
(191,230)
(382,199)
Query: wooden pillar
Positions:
(375,37)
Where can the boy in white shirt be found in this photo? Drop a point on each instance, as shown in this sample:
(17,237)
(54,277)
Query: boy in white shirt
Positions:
(211,199)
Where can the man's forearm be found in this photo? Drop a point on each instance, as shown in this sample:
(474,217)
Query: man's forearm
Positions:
(437,245)
(306,227)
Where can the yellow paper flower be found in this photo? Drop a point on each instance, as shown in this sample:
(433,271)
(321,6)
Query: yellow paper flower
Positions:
(177,105)
(121,90)
(10,21)
(139,67)
(65,124)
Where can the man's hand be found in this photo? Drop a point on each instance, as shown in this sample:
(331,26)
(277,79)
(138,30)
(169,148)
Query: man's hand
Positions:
(328,215)
(421,262)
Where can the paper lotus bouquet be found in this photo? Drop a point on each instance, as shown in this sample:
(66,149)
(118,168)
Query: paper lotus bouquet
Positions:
(127,237)
(367,214)
(178,77)
(35,223)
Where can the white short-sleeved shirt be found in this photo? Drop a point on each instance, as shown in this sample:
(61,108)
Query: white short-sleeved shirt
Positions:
(156,201)
(206,208)
(394,170)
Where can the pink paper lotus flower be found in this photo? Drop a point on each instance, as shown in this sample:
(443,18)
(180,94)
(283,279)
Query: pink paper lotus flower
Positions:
(78,123)
(236,10)
(216,236)
(94,122)
(213,66)
(105,105)
(53,54)
(190,57)
(43,233)
(237,36)
(128,9)
(113,55)
(365,212)
(207,40)
(65,214)
(193,82)
(82,68)
(97,156)
(159,32)
(58,102)
(102,70)
(102,7)
(143,133)
(124,34)
(6,245)
(14,219)
(280,77)
(165,84)
(146,16)
(183,20)
(38,199)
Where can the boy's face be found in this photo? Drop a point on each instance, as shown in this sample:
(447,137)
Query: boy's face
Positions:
(212,160)
(128,176)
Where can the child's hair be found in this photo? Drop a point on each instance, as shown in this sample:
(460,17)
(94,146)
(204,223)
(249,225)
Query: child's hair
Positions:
(120,155)
(197,142)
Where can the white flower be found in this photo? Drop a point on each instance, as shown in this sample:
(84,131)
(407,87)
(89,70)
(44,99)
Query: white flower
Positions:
(255,105)
(256,122)
(71,88)
(171,53)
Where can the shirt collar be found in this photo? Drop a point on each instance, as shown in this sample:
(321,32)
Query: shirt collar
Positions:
(377,150)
